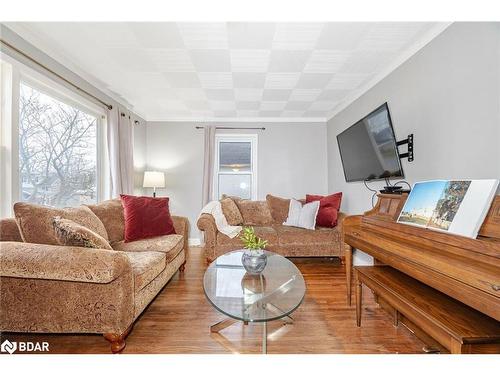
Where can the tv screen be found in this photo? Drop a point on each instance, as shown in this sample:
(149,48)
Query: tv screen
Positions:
(368,148)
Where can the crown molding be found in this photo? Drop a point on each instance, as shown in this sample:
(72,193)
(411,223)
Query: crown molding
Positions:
(240,119)
(42,46)
(400,60)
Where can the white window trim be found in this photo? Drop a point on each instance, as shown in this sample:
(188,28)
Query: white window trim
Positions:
(8,172)
(234,137)
(9,138)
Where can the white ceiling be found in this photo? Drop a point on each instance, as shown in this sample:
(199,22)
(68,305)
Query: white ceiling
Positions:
(206,71)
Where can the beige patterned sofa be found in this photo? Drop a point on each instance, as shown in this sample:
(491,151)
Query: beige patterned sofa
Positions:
(267,217)
(63,289)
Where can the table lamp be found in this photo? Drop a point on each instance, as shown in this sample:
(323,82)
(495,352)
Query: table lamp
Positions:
(153,179)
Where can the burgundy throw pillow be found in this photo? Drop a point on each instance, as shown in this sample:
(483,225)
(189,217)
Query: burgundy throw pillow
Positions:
(329,207)
(146,217)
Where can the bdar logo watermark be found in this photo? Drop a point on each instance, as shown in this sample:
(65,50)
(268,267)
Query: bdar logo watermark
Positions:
(9,347)
(23,346)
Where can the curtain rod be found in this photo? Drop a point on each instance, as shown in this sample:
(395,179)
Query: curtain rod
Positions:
(231,128)
(109,106)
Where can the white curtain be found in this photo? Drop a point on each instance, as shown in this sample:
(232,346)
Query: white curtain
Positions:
(120,149)
(208,164)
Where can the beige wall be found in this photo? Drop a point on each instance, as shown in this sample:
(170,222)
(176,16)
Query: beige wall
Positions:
(291,161)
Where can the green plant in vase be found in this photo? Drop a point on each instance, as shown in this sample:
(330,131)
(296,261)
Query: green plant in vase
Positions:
(254,259)
(251,241)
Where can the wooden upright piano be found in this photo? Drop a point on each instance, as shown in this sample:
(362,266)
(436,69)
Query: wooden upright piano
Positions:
(468,270)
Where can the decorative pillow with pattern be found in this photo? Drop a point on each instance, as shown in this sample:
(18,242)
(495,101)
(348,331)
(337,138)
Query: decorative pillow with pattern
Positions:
(231,212)
(278,207)
(233,197)
(110,212)
(254,212)
(69,233)
(35,221)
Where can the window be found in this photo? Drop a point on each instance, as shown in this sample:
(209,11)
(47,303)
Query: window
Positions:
(52,142)
(57,151)
(236,166)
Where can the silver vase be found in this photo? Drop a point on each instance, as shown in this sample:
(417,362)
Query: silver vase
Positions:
(254,261)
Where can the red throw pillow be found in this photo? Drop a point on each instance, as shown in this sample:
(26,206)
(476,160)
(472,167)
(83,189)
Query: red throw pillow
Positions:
(329,208)
(146,217)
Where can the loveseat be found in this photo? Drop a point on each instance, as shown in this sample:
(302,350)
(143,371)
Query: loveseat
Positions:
(267,218)
(48,288)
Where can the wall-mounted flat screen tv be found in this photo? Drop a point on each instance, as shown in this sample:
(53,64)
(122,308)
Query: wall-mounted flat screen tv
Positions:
(368,148)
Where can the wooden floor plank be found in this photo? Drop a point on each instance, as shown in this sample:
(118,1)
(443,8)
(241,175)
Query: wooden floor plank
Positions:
(178,321)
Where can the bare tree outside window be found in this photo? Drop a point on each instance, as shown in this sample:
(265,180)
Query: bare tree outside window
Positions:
(57,151)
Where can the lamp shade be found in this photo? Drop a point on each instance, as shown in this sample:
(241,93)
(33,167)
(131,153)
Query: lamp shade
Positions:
(153,179)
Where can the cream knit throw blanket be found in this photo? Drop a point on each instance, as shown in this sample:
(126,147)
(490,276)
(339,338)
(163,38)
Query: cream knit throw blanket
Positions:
(214,208)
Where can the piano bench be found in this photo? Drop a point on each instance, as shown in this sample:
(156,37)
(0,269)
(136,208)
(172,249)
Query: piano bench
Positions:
(454,325)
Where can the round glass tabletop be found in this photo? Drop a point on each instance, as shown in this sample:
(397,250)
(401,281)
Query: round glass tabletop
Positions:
(273,294)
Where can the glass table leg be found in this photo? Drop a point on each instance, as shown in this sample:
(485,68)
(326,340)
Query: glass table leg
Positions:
(264,338)
(215,328)
(286,319)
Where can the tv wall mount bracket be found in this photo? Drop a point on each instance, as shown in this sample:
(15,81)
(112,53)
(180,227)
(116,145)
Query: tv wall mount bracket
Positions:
(409,154)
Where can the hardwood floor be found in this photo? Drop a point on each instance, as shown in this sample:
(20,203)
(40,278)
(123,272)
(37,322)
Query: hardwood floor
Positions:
(178,321)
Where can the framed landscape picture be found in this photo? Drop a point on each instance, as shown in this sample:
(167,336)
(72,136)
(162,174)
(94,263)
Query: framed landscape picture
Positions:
(454,206)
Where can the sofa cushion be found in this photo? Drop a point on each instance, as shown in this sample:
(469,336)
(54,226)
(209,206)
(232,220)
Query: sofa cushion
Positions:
(110,212)
(295,236)
(329,207)
(146,217)
(146,265)
(69,233)
(171,245)
(35,221)
(254,212)
(278,207)
(231,212)
(267,233)
(303,216)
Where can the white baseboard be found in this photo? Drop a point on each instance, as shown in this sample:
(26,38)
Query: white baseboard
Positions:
(194,242)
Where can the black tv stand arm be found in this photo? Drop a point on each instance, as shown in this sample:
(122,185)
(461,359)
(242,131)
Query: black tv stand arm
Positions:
(409,153)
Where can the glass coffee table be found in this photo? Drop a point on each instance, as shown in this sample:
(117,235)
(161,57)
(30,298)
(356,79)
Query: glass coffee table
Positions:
(274,294)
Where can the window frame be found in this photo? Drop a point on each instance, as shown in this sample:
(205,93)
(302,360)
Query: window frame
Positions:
(9,139)
(236,137)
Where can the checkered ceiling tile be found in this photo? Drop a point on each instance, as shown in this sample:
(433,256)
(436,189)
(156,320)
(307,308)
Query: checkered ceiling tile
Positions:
(222,70)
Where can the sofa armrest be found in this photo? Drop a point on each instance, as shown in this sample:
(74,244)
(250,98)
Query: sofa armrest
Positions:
(206,223)
(181,225)
(340,221)
(67,263)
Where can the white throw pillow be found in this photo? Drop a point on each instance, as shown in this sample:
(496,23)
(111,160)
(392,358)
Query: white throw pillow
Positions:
(302,216)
